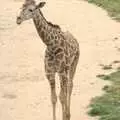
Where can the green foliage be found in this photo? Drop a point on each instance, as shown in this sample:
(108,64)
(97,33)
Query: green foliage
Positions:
(108,105)
(112,6)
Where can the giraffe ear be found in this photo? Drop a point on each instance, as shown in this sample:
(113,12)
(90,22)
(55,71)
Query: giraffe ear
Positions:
(40,5)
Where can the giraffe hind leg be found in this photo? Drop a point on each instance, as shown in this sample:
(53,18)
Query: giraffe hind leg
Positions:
(73,66)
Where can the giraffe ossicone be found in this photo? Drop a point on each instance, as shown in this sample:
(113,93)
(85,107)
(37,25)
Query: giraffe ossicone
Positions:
(61,55)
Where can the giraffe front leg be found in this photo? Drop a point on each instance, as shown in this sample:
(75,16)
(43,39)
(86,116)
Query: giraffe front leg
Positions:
(71,74)
(69,92)
(62,99)
(51,79)
(63,95)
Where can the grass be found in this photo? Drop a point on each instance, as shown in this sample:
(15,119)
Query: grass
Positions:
(108,105)
(112,7)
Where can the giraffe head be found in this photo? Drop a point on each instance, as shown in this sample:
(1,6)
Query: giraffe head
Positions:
(28,10)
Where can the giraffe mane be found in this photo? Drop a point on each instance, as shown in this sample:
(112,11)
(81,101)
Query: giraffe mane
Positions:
(54,25)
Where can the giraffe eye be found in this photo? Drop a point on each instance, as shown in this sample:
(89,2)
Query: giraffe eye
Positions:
(30,10)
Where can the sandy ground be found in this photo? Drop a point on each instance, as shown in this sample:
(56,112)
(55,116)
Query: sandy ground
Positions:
(24,90)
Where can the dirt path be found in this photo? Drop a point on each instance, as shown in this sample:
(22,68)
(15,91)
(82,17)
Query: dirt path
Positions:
(24,90)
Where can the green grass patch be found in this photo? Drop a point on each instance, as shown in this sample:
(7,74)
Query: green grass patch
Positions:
(112,7)
(108,105)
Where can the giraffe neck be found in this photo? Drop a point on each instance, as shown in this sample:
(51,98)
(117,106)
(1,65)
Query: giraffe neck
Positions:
(44,28)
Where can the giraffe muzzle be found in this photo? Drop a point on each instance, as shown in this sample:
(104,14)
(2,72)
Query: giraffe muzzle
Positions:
(19,20)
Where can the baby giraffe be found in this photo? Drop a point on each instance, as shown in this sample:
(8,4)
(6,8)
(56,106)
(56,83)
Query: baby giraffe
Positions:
(61,55)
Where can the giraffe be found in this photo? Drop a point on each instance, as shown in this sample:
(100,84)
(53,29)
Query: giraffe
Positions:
(61,55)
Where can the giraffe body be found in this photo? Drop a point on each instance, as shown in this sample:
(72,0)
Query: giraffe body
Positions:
(61,55)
